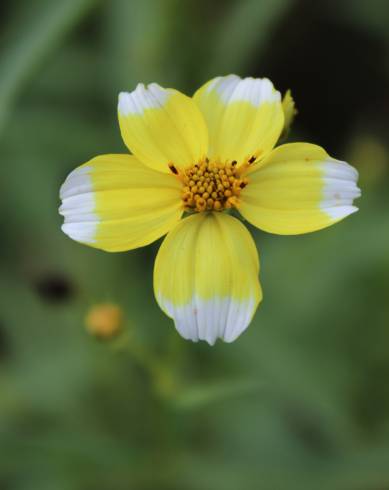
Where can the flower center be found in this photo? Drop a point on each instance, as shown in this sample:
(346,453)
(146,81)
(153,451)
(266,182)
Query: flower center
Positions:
(211,186)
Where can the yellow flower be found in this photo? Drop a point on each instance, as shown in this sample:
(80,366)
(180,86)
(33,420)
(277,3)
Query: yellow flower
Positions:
(205,155)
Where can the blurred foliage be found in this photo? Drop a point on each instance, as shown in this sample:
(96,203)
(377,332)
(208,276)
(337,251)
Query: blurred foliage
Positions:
(301,400)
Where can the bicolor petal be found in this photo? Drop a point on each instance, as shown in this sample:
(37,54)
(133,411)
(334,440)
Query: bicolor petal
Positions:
(162,127)
(297,189)
(244,117)
(206,277)
(116,203)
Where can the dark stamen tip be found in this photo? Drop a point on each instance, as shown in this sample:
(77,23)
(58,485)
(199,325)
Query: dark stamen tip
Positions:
(173,169)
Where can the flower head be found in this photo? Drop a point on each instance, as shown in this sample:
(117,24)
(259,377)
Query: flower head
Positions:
(203,156)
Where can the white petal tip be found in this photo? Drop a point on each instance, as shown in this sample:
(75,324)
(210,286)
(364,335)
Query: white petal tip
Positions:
(337,213)
(80,232)
(340,189)
(77,182)
(78,206)
(254,90)
(125,104)
(210,320)
(143,97)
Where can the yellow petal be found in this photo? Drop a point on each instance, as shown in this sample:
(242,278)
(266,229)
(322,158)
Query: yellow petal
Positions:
(162,126)
(206,277)
(244,117)
(299,188)
(116,203)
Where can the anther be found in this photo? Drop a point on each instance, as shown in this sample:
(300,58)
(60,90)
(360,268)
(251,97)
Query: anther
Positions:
(173,168)
(211,186)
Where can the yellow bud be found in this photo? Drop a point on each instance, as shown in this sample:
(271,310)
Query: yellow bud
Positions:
(104,320)
(290,111)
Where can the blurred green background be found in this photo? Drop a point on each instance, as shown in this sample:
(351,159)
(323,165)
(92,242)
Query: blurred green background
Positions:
(301,399)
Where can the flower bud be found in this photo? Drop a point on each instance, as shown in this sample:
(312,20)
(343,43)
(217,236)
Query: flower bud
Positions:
(104,320)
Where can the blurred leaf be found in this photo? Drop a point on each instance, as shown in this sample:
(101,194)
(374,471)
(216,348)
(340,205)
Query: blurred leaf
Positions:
(242,34)
(33,39)
(138,36)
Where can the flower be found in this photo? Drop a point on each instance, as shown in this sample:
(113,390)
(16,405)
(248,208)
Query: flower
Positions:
(202,156)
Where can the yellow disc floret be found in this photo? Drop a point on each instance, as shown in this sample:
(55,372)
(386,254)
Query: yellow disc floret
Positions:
(211,186)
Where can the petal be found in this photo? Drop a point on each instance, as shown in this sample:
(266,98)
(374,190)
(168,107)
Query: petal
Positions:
(116,203)
(299,188)
(244,116)
(162,126)
(206,277)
